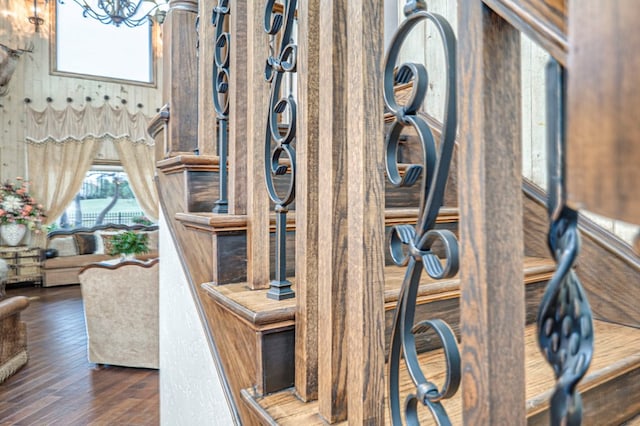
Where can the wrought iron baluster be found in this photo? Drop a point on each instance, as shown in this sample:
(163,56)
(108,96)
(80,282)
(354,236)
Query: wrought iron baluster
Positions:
(565,324)
(220,77)
(411,245)
(281,130)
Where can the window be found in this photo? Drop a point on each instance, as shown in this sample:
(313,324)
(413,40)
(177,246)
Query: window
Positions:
(87,47)
(105,197)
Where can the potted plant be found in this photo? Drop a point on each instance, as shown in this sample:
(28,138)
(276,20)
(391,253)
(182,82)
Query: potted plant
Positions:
(129,243)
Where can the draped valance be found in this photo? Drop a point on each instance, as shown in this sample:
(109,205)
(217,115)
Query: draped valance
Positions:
(90,122)
(62,144)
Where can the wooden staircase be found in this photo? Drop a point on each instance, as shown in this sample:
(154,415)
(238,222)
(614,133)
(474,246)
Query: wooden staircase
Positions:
(263,330)
(254,339)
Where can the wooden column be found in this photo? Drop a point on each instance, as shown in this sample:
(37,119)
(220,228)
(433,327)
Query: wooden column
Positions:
(238,109)
(365,287)
(333,232)
(207,138)
(180,75)
(257,109)
(307,201)
(492,305)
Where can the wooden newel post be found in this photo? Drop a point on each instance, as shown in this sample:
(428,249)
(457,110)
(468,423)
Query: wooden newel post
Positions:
(365,254)
(492,307)
(307,200)
(257,108)
(180,75)
(333,227)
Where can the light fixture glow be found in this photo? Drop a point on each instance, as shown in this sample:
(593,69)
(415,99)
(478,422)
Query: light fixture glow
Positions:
(131,13)
(35,19)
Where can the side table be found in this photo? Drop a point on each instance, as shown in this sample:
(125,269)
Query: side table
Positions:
(25,264)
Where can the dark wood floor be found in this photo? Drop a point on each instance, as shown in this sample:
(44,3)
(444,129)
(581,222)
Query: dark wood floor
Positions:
(59,386)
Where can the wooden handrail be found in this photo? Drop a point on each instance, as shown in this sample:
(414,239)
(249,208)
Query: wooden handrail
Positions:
(544,21)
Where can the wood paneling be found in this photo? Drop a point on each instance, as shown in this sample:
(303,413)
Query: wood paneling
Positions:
(603,98)
(180,88)
(365,215)
(257,108)
(492,301)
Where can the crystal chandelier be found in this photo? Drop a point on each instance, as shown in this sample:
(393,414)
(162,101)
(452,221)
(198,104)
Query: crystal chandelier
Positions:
(131,13)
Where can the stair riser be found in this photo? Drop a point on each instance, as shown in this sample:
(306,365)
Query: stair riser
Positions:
(611,403)
(230,254)
(449,311)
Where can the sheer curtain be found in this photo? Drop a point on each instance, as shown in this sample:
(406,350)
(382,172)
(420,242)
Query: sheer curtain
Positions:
(56,172)
(138,160)
(61,146)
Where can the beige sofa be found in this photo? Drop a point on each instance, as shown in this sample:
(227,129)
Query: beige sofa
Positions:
(82,246)
(121,312)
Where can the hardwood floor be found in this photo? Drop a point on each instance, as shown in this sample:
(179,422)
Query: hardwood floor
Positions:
(59,386)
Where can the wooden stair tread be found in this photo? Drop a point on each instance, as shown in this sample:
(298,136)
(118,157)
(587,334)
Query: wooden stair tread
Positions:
(617,353)
(535,269)
(217,222)
(255,307)
(186,160)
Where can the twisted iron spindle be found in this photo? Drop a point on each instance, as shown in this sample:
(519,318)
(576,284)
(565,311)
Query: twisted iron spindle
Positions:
(565,324)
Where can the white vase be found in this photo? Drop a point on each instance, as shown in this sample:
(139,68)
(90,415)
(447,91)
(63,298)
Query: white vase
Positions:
(12,233)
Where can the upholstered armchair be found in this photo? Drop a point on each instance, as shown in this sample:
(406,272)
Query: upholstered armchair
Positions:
(121,311)
(13,336)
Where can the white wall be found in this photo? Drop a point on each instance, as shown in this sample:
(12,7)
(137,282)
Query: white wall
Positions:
(190,389)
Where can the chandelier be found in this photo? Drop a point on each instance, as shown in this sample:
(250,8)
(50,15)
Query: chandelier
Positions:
(131,13)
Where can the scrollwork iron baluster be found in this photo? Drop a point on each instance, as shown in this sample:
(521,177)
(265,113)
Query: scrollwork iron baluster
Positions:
(565,324)
(281,132)
(220,80)
(411,245)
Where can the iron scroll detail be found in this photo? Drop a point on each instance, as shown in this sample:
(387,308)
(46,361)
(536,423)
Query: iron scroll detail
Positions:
(281,131)
(220,77)
(565,322)
(411,245)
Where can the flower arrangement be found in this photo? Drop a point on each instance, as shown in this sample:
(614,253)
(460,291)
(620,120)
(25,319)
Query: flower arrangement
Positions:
(17,206)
